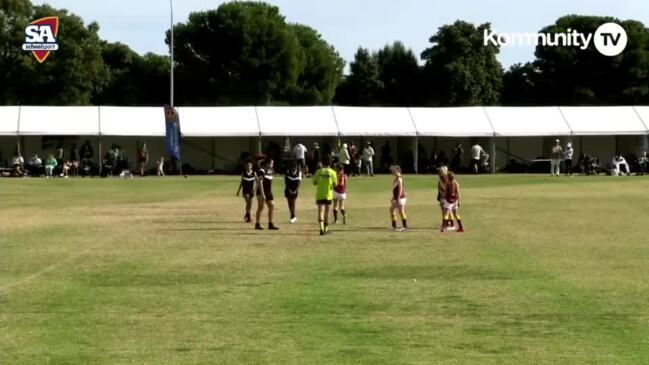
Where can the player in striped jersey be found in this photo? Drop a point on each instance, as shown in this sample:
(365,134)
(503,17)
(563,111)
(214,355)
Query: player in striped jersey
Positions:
(265,193)
(340,195)
(292,181)
(247,186)
(398,202)
(452,203)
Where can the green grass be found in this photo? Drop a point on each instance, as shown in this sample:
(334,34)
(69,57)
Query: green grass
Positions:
(164,272)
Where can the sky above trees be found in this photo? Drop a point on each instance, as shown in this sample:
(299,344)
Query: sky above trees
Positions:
(348,24)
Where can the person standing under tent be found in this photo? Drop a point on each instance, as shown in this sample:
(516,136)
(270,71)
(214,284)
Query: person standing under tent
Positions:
(344,158)
(161,166)
(299,155)
(568,154)
(325,179)
(476,157)
(316,157)
(246,188)
(265,193)
(75,159)
(458,154)
(292,181)
(142,158)
(398,202)
(452,204)
(556,153)
(368,158)
(340,195)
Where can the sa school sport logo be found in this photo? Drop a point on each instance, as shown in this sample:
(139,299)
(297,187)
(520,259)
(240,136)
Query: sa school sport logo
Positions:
(41,37)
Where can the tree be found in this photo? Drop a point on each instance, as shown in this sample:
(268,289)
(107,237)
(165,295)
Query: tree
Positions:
(363,85)
(571,76)
(246,53)
(519,86)
(322,69)
(460,69)
(70,76)
(400,76)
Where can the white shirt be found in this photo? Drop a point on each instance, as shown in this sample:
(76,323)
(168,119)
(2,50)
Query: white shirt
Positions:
(476,152)
(36,161)
(368,153)
(569,152)
(299,151)
(19,160)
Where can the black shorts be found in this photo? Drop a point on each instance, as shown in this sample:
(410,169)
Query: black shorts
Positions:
(247,194)
(288,194)
(324,202)
(141,160)
(475,162)
(300,162)
(269,196)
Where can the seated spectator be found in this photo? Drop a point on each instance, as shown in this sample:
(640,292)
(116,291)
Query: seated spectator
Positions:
(620,166)
(643,162)
(18,163)
(35,166)
(65,173)
(50,165)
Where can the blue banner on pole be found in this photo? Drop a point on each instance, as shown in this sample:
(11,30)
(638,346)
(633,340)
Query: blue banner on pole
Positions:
(172,123)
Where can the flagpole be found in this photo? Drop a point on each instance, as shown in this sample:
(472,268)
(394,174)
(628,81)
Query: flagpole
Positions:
(171,46)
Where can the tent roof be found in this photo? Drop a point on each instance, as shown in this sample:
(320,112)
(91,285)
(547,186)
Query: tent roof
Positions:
(365,121)
(297,121)
(132,121)
(643,113)
(59,121)
(8,120)
(527,121)
(218,121)
(452,122)
(603,121)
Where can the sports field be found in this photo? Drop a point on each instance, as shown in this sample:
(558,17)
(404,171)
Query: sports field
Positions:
(164,271)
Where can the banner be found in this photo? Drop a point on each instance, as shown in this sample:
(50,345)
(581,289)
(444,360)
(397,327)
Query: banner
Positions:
(172,123)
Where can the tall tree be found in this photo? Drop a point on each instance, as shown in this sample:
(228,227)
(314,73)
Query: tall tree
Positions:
(460,69)
(571,76)
(70,76)
(400,76)
(321,72)
(363,85)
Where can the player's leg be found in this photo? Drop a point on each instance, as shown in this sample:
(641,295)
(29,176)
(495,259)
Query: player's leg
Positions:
(393,215)
(271,210)
(342,211)
(248,200)
(327,209)
(260,209)
(336,203)
(402,214)
(321,219)
(458,219)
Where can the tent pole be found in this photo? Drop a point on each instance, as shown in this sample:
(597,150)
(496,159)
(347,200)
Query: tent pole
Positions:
(416,154)
(493,154)
(259,146)
(99,155)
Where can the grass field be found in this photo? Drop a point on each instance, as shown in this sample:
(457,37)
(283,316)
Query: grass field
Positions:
(152,271)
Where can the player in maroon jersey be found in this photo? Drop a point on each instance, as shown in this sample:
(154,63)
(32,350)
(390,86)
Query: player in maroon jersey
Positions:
(398,202)
(340,194)
(452,203)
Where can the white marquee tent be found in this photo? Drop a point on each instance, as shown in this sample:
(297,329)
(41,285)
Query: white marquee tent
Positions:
(523,131)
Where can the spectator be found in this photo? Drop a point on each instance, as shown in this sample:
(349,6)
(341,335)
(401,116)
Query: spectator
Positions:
(86,151)
(35,165)
(368,158)
(316,157)
(18,163)
(568,155)
(458,153)
(386,156)
(65,172)
(476,156)
(299,155)
(643,162)
(344,158)
(59,153)
(161,166)
(75,159)
(555,158)
(50,165)
(620,166)
(142,159)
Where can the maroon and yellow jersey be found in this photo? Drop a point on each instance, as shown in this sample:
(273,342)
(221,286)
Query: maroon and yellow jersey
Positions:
(395,189)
